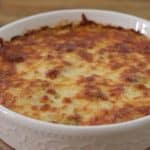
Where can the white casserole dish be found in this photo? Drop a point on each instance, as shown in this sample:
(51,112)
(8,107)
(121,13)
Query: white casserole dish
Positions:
(24,133)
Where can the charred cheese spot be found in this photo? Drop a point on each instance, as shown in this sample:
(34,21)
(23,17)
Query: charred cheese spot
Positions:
(52,73)
(67,100)
(86,56)
(12,53)
(83,74)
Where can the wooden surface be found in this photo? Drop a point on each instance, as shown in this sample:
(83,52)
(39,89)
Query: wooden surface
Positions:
(11,10)
(4,146)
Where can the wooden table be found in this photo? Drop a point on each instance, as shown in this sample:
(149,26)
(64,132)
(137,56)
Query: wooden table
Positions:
(11,10)
(4,146)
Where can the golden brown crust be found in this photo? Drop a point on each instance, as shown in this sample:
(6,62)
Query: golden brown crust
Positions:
(85,74)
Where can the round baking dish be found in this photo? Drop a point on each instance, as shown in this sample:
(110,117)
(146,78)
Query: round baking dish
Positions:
(24,133)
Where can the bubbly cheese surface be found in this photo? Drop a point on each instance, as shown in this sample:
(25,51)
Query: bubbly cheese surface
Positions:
(85,74)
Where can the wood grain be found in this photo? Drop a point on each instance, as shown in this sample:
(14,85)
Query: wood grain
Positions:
(11,10)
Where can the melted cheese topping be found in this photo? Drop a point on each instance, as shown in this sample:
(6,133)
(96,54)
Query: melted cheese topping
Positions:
(85,74)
